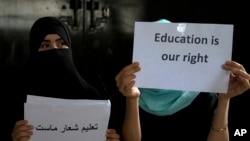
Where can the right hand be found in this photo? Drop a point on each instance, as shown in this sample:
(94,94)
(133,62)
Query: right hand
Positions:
(22,131)
(112,135)
(125,80)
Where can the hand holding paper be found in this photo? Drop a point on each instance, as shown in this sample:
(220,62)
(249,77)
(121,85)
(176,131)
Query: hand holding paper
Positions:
(64,120)
(182,56)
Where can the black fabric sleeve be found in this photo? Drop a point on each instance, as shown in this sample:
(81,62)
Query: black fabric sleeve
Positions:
(191,123)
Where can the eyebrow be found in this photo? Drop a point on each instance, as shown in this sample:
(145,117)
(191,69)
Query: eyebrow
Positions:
(56,40)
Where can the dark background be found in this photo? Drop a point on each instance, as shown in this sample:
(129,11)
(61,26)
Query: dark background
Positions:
(102,43)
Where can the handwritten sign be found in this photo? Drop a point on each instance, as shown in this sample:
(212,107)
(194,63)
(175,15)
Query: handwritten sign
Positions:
(183,56)
(64,120)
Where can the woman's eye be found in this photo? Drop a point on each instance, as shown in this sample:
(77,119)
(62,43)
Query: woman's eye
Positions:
(44,45)
(61,44)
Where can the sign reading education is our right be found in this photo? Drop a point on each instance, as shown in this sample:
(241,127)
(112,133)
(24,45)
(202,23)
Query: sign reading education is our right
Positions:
(183,56)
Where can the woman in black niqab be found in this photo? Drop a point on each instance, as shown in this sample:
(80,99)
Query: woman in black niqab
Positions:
(52,73)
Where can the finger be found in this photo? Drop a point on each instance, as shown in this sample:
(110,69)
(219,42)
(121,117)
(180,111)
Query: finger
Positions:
(233,65)
(125,80)
(20,123)
(18,126)
(24,139)
(130,84)
(240,73)
(132,68)
(236,69)
(111,131)
(23,128)
(112,136)
(122,72)
(22,131)
(22,136)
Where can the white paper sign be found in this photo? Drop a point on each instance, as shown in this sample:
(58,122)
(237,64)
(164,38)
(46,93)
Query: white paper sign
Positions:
(183,56)
(67,120)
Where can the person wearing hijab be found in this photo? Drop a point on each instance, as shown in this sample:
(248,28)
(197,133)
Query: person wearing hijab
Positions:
(51,71)
(160,114)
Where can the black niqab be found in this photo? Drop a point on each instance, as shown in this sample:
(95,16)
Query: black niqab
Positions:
(52,73)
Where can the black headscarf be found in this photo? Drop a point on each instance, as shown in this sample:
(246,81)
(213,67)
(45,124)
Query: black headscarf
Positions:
(52,73)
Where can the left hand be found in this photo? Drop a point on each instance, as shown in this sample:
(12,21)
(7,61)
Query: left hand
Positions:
(125,81)
(112,135)
(239,79)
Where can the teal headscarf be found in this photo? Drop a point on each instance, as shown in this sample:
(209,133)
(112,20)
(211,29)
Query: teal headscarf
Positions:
(162,21)
(162,102)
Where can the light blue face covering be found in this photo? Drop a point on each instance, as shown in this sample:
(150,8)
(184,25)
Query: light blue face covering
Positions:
(162,102)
